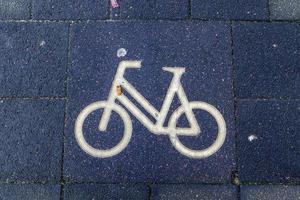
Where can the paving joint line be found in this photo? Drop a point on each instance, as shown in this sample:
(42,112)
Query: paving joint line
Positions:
(149,185)
(145,183)
(68,55)
(30,8)
(43,182)
(296,21)
(269,9)
(33,98)
(109,10)
(266,99)
(62,190)
(189,9)
(238,195)
(62,183)
(259,183)
(235,177)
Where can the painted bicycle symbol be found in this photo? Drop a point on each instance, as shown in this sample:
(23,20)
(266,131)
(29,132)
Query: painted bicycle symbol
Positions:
(119,84)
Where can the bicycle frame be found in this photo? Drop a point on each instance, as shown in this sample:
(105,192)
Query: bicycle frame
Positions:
(160,116)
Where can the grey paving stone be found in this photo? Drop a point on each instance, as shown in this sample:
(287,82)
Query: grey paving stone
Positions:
(285,9)
(267,60)
(70,9)
(14,9)
(33,59)
(269,140)
(104,192)
(203,48)
(31,139)
(194,192)
(151,9)
(230,9)
(29,192)
(267,192)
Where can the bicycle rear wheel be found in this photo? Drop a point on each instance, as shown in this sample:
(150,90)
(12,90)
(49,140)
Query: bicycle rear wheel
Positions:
(198,154)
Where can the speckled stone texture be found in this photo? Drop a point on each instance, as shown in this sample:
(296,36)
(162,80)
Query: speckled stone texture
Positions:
(29,192)
(14,9)
(230,9)
(33,59)
(104,191)
(285,9)
(31,139)
(59,56)
(151,9)
(269,140)
(267,192)
(194,192)
(149,157)
(267,60)
(70,9)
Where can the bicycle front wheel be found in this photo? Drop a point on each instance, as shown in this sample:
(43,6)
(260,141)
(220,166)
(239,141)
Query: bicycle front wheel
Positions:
(101,153)
(198,154)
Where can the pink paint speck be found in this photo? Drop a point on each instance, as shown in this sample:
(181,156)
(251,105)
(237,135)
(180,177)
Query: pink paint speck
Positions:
(114,3)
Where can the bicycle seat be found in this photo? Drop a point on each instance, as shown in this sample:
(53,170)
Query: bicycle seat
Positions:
(175,70)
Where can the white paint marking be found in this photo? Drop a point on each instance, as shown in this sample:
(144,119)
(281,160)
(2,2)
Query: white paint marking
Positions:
(172,130)
(108,152)
(121,52)
(252,137)
(42,43)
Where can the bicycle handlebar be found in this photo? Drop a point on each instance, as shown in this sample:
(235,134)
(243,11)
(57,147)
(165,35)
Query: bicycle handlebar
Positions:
(130,64)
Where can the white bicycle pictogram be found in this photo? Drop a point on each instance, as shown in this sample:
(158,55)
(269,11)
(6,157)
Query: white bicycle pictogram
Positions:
(158,127)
